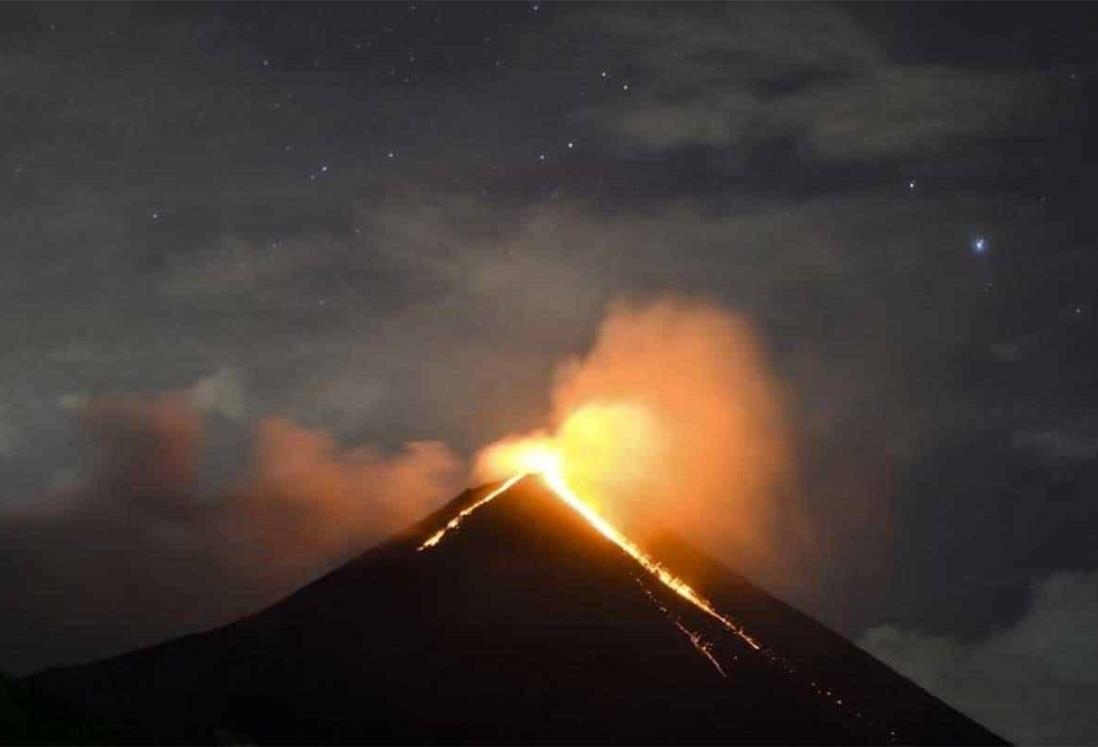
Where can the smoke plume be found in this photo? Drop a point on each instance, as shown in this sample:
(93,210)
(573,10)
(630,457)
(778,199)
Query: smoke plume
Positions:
(672,419)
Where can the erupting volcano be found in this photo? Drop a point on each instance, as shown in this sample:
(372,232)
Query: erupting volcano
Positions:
(547,605)
(515,614)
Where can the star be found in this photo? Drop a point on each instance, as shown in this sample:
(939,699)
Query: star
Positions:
(571,145)
(911,184)
(979,245)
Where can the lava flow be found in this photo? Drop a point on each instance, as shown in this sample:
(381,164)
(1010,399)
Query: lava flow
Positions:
(550,473)
(454,522)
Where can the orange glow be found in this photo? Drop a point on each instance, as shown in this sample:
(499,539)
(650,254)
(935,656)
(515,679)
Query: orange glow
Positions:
(539,454)
(671,420)
(556,482)
(602,449)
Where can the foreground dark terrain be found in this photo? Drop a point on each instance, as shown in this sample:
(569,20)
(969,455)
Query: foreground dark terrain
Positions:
(522,625)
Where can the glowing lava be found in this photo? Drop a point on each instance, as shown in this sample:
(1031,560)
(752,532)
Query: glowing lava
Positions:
(556,483)
(702,647)
(543,460)
(453,523)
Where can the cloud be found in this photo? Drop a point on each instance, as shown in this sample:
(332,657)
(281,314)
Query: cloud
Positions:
(1035,682)
(72,401)
(146,449)
(746,73)
(236,267)
(129,552)
(222,392)
(1058,446)
(306,495)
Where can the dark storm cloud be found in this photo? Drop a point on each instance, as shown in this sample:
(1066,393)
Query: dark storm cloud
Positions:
(389,224)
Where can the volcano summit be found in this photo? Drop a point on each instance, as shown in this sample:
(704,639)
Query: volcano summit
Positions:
(511,616)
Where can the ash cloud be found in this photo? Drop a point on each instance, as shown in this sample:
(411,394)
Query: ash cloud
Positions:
(132,552)
(673,419)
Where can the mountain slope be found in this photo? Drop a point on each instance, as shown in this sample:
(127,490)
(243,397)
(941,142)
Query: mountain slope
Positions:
(523,624)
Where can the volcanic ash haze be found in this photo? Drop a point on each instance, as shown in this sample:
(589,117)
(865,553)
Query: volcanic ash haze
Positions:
(672,420)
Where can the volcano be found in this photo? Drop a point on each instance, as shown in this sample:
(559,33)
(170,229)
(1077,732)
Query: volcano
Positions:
(508,616)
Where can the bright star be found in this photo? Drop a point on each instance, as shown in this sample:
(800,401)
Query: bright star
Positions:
(979,245)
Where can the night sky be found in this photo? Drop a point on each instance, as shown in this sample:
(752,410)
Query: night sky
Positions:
(247,243)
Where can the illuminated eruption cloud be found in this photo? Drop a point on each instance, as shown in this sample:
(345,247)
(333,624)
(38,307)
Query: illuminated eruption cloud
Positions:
(670,419)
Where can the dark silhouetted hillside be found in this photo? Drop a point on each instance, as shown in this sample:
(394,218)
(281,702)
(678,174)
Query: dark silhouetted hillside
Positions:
(523,625)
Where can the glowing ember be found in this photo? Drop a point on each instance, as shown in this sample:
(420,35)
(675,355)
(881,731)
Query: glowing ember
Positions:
(702,647)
